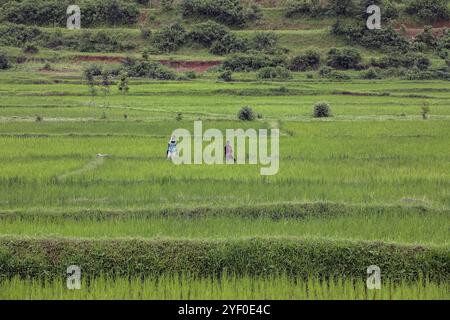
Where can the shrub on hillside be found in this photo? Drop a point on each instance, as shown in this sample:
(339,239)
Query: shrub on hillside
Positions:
(371,74)
(148,69)
(251,62)
(169,38)
(266,42)
(208,32)
(30,48)
(230,43)
(295,8)
(409,60)
(385,38)
(229,12)
(4,61)
(226,76)
(322,110)
(309,60)
(341,7)
(429,10)
(53,12)
(246,114)
(344,59)
(272,73)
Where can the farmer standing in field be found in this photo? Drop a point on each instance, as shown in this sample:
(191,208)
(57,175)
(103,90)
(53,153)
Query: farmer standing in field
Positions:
(229,152)
(172,148)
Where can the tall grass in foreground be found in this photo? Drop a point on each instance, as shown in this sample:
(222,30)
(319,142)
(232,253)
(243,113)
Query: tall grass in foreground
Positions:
(228,287)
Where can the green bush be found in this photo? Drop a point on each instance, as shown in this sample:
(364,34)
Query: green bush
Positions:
(429,10)
(246,114)
(322,110)
(252,62)
(208,32)
(148,69)
(272,73)
(309,60)
(53,12)
(230,43)
(4,61)
(30,48)
(226,76)
(49,258)
(298,8)
(266,42)
(344,59)
(371,74)
(409,60)
(229,12)
(169,38)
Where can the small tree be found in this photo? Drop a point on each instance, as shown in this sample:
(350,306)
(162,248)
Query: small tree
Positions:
(425,110)
(123,83)
(226,76)
(246,114)
(90,80)
(105,82)
(322,110)
(4,62)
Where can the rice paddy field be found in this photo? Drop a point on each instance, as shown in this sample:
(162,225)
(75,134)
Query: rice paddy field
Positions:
(368,186)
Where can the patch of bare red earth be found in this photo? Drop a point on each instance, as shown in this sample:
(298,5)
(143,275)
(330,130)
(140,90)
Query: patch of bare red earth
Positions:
(178,65)
(413,30)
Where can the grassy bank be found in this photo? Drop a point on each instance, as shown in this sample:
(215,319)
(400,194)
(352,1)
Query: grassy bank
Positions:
(226,287)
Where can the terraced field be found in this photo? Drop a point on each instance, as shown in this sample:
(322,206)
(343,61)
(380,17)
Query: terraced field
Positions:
(368,186)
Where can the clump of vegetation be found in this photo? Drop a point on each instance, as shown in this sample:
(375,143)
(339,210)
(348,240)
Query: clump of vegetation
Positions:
(207,33)
(229,12)
(246,114)
(148,69)
(39,118)
(296,8)
(179,116)
(371,74)
(272,73)
(344,59)
(429,10)
(226,76)
(47,67)
(169,38)
(425,110)
(309,60)
(30,48)
(53,13)
(105,82)
(4,61)
(230,43)
(322,110)
(251,62)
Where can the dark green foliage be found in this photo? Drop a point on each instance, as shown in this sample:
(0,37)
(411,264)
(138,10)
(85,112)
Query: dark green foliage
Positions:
(246,114)
(409,60)
(4,61)
(226,76)
(429,10)
(148,69)
(322,110)
(38,258)
(30,48)
(266,42)
(170,38)
(123,84)
(341,7)
(426,37)
(309,60)
(344,59)
(229,12)
(385,38)
(251,62)
(298,8)
(208,32)
(230,43)
(53,12)
(272,73)
(371,74)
